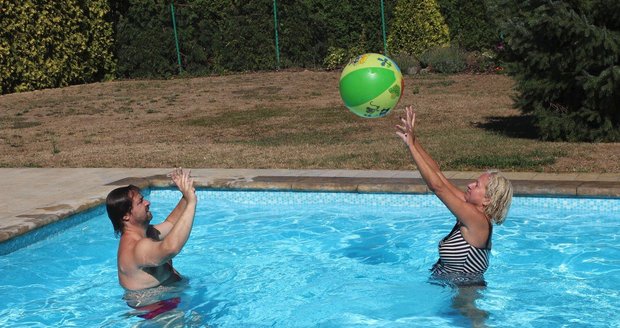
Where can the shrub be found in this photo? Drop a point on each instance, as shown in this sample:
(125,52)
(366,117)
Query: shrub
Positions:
(145,44)
(47,44)
(336,58)
(482,61)
(417,26)
(408,64)
(444,60)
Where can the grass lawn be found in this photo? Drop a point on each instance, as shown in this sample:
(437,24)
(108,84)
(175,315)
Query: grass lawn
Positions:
(286,119)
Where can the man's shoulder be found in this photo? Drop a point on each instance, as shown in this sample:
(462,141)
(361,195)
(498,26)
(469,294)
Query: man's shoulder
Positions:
(128,241)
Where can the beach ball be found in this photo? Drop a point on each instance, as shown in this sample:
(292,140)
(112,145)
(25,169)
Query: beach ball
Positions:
(371,85)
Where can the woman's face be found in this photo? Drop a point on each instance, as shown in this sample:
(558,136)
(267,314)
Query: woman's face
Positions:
(477,190)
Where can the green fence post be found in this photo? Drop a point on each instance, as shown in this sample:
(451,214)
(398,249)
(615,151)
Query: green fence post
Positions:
(383,29)
(275,27)
(176,37)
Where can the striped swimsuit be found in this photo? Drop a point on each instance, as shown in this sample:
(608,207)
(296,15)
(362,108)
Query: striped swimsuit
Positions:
(458,259)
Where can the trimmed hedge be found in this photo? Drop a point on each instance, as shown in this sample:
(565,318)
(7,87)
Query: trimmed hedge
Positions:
(48,44)
(218,36)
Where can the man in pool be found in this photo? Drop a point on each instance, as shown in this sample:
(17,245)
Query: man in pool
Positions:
(145,251)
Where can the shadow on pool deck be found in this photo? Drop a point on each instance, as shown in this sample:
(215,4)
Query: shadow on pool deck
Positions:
(36,197)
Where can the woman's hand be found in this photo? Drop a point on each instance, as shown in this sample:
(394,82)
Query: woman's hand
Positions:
(405,130)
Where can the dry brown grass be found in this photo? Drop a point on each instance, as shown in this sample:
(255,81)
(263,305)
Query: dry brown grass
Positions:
(288,119)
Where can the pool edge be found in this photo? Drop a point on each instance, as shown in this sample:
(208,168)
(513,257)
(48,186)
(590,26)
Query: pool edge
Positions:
(525,184)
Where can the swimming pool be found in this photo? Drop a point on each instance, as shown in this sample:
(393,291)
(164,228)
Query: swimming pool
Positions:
(300,259)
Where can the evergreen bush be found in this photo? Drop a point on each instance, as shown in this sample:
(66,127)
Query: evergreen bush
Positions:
(417,26)
(145,43)
(145,40)
(565,57)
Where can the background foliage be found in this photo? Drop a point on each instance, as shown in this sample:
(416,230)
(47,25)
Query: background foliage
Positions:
(218,36)
(471,24)
(417,26)
(47,44)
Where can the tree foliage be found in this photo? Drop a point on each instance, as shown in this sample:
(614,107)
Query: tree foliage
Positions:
(565,57)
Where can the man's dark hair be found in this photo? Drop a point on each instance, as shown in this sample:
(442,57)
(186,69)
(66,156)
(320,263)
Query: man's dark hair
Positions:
(118,203)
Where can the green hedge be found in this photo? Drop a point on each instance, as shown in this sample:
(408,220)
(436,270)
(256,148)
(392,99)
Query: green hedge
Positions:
(471,24)
(218,36)
(47,44)
(56,43)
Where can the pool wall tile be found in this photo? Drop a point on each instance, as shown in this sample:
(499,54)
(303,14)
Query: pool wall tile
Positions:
(384,199)
(266,197)
(51,229)
(41,196)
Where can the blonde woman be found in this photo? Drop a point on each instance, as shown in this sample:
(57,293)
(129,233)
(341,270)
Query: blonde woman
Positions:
(464,252)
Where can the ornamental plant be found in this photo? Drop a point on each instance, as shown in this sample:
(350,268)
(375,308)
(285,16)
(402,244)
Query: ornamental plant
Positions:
(47,44)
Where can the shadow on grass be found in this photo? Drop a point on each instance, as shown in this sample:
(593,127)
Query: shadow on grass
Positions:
(521,126)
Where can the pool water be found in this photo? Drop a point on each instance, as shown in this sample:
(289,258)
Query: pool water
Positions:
(308,259)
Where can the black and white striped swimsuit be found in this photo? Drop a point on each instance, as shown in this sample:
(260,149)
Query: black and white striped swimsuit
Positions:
(458,257)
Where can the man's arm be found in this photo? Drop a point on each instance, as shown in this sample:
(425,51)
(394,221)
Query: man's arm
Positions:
(163,228)
(153,253)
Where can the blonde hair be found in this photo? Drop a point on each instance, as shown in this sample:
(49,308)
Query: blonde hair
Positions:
(499,191)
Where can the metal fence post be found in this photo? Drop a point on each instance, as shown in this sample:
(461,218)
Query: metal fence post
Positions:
(383,29)
(275,27)
(176,37)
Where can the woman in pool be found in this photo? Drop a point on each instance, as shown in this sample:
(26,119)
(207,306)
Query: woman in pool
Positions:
(464,252)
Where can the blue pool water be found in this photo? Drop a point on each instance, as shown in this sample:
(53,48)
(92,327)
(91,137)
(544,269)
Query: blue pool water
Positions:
(296,259)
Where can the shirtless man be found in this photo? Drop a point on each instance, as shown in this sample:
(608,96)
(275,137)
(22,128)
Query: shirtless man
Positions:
(145,251)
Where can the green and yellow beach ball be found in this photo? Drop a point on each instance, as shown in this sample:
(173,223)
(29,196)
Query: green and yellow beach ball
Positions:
(371,85)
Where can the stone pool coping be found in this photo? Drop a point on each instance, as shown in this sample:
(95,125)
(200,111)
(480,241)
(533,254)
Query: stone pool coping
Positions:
(34,197)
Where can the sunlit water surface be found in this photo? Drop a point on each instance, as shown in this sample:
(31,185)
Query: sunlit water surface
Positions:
(295,259)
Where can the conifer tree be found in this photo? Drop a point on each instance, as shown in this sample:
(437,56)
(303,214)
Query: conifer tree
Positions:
(565,58)
(417,26)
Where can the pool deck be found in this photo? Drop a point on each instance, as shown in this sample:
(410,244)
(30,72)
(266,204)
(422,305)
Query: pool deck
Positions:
(34,197)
